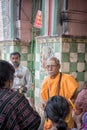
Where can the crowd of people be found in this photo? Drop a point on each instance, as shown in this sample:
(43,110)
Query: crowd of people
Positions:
(64,108)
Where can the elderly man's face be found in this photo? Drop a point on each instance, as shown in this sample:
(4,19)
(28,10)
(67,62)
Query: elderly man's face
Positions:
(52,68)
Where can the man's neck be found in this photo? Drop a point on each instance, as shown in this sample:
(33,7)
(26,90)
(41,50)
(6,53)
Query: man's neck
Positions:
(16,67)
(53,76)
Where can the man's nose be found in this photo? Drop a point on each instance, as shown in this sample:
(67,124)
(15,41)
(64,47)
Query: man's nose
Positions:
(50,67)
(14,60)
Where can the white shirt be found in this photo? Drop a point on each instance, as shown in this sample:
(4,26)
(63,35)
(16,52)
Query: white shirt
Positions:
(25,79)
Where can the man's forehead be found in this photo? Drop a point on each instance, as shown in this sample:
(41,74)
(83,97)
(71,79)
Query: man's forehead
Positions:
(14,56)
(51,62)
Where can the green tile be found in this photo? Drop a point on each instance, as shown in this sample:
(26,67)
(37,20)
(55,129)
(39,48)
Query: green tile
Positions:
(57,47)
(37,50)
(73,67)
(24,57)
(81,57)
(7,49)
(29,49)
(17,48)
(85,66)
(85,47)
(73,47)
(80,76)
(30,65)
(65,57)
(5,56)
(42,76)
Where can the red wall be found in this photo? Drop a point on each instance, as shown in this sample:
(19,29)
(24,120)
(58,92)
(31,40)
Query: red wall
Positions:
(77,14)
(26,26)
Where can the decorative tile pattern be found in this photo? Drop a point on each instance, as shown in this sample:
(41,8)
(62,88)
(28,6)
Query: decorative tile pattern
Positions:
(76,57)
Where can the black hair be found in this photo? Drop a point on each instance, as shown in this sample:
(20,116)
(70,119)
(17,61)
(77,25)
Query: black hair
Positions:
(6,72)
(15,53)
(57,108)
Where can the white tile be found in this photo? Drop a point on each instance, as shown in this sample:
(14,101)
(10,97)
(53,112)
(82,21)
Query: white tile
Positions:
(24,49)
(37,92)
(85,76)
(80,67)
(58,55)
(11,49)
(24,63)
(81,48)
(65,67)
(73,57)
(37,57)
(74,74)
(30,57)
(37,75)
(65,47)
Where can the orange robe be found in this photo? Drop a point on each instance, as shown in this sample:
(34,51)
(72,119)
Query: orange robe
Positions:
(68,86)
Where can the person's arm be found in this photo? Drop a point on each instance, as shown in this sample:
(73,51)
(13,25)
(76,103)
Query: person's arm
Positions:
(43,104)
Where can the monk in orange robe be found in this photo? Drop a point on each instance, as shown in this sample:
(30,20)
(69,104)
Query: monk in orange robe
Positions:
(58,83)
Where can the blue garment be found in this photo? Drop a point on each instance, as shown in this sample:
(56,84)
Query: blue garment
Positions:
(84,121)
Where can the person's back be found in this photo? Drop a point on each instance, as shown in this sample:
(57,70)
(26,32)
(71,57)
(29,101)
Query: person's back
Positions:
(15,110)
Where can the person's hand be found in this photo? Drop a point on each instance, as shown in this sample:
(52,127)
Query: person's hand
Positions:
(77,118)
(43,106)
(24,89)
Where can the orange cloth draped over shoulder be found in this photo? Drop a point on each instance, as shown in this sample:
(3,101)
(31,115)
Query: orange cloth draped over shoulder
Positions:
(68,86)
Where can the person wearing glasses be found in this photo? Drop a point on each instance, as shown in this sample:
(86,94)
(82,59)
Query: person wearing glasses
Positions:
(58,83)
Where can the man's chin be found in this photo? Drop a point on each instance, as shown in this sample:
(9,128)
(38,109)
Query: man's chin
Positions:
(52,75)
(16,65)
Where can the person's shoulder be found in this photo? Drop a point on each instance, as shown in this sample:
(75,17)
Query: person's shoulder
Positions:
(24,67)
(65,75)
(46,79)
(16,93)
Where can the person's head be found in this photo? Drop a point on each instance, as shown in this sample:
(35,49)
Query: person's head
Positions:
(81,100)
(15,58)
(53,66)
(6,74)
(57,108)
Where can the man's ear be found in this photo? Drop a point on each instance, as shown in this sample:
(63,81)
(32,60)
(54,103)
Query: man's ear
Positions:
(59,66)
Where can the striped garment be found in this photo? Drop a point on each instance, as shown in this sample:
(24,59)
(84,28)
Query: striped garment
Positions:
(16,113)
